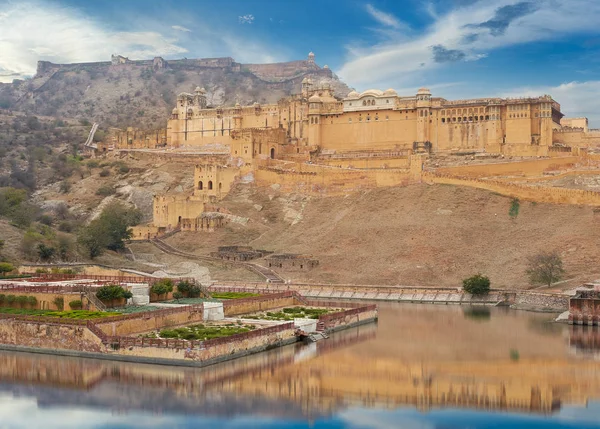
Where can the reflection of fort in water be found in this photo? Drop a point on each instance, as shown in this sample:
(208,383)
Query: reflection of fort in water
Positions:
(313,380)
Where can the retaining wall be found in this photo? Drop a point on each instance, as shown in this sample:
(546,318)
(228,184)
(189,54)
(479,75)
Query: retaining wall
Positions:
(234,307)
(219,349)
(541,301)
(49,335)
(151,320)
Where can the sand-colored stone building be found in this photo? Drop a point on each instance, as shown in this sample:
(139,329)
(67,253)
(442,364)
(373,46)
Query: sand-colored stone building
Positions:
(317,141)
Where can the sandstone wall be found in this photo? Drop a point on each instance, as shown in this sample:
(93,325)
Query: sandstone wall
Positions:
(539,194)
(234,307)
(521,168)
(48,335)
(541,301)
(150,321)
(219,349)
(315,179)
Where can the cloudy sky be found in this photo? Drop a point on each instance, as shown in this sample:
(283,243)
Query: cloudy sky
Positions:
(458,48)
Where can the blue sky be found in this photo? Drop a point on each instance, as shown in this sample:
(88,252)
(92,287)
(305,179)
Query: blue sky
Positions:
(458,48)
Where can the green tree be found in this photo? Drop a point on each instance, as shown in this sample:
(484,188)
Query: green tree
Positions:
(111,293)
(75,305)
(162,287)
(21,300)
(59,302)
(5,267)
(32,301)
(64,247)
(477,285)
(93,239)
(45,252)
(109,230)
(545,268)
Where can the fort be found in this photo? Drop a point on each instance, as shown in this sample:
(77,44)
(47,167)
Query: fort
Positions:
(318,143)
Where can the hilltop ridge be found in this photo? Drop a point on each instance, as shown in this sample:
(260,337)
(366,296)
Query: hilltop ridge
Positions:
(124,92)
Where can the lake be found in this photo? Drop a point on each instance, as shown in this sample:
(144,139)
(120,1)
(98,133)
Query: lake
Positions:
(420,367)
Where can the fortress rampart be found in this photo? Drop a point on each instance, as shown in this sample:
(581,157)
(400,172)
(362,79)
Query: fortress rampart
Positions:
(541,194)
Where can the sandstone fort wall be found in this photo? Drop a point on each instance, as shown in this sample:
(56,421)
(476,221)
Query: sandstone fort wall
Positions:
(539,194)
(535,167)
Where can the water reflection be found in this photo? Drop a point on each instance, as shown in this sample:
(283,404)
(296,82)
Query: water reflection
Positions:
(420,365)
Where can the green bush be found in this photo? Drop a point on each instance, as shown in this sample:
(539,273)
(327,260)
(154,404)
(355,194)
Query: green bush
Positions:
(21,300)
(60,303)
(162,287)
(32,301)
(75,305)
(105,190)
(189,289)
(177,295)
(110,293)
(2,298)
(513,212)
(6,267)
(10,299)
(104,173)
(477,285)
(92,163)
(123,169)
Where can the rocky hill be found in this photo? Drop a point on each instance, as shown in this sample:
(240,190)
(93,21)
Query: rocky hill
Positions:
(125,93)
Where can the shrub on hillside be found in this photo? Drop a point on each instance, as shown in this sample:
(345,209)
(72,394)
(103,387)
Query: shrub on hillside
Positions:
(477,285)
(105,191)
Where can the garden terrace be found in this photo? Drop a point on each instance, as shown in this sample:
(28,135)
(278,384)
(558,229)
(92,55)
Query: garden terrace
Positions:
(203,331)
(291,313)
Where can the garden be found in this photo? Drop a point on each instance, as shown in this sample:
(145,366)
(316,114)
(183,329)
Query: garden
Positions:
(72,314)
(291,313)
(202,332)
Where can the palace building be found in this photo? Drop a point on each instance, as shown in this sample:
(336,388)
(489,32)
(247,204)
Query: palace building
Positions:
(317,142)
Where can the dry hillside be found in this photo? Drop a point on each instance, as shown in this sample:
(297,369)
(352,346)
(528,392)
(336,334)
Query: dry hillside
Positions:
(418,235)
(138,95)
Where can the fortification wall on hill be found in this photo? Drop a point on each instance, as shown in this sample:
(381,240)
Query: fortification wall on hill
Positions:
(327,180)
(541,194)
(284,71)
(535,167)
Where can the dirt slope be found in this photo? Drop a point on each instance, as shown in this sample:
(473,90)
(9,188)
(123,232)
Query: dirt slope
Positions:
(417,235)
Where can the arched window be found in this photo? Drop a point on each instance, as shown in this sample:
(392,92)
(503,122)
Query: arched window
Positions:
(200,185)
(209,185)
(272,153)
(364,103)
(220,186)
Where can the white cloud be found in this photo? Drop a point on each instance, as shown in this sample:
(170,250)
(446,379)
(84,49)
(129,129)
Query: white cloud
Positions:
(384,18)
(246,19)
(465,33)
(576,98)
(33,31)
(180,28)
